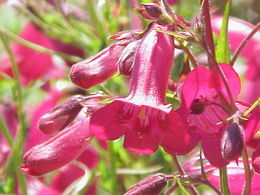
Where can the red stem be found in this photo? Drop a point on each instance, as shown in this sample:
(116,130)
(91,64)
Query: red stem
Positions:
(208,34)
(243,43)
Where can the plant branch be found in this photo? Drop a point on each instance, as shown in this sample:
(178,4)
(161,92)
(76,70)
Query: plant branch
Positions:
(181,172)
(38,47)
(243,44)
(17,149)
(248,174)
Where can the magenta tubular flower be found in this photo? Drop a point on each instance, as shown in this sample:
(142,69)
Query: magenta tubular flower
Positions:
(58,150)
(142,116)
(96,69)
(60,116)
(205,100)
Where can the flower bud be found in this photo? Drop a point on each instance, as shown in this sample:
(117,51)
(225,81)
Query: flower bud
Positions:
(151,185)
(97,69)
(125,37)
(60,116)
(232,142)
(153,9)
(125,62)
(144,13)
(58,150)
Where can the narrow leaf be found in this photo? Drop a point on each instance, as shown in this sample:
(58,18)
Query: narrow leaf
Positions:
(222,50)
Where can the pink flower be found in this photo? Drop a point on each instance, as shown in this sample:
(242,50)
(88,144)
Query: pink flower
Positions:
(142,116)
(205,101)
(236,177)
(96,69)
(58,150)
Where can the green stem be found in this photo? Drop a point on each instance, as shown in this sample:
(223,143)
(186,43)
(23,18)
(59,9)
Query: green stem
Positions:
(254,105)
(112,157)
(223,78)
(181,172)
(95,20)
(224,181)
(189,54)
(248,174)
(37,18)
(38,47)
(17,149)
(4,130)
(208,41)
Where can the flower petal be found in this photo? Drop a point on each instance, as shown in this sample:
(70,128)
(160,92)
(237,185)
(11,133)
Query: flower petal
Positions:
(105,123)
(141,143)
(232,77)
(174,135)
(196,84)
(212,150)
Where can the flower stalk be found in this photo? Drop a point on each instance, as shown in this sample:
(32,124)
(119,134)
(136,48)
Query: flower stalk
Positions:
(181,172)
(38,47)
(248,173)
(224,181)
(16,152)
(243,44)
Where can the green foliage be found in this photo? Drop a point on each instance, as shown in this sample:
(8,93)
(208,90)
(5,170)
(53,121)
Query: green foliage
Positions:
(222,50)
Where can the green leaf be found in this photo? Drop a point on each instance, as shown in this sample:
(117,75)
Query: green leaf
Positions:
(222,50)
(177,68)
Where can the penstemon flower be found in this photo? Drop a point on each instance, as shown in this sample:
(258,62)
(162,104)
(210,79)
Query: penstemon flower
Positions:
(96,69)
(53,153)
(142,116)
(205,101)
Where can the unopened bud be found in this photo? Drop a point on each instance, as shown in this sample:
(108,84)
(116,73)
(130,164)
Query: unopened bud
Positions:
(232,142)
(125,37)
(153,9)
(151,185)
(96,69)
(58,150)
(60,116)
(125,62)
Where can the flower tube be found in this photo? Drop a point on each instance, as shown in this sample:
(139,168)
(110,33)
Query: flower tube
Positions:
(142,116)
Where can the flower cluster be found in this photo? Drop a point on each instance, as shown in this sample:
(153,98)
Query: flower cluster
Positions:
(207,98)
(183,108)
